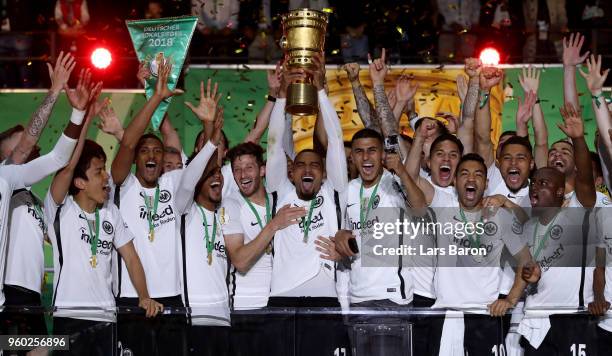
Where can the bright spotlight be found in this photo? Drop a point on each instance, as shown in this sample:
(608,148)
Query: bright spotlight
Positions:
(101,58)
(489,56)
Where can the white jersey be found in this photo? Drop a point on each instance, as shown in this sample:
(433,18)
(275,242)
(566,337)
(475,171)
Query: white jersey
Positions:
(370,282)
(25,261)
(296,261)
(497,186)
(604,232)
(160,257)
(472,281)
(248,290)
(76,284)
(230,188)
(601,200)
(17,176)
(557,247)
(204,284)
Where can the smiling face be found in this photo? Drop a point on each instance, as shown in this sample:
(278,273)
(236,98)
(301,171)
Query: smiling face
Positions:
(149,158)
(561,158)
(172,161)
(212,187)
(248,174)
(471,182)
(547,188)
(443,161)
(95,187)
(515,164)
(367,155)
(307,174)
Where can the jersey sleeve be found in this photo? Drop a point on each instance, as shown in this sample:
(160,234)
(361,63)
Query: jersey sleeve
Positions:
(122,233)
(229,183)
(276,165)
(25,175)
(50,209)
(494,178)
(336,156)
(185,187)
(231,216)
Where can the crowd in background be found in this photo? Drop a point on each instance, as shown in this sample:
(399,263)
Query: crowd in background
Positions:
(247,31)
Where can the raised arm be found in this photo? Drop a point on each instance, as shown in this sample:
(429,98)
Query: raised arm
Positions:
(335,162)
(573,127)
(413,163)
(366,112)
(60,74)
(465,132)
(414,195)
(263,118)
(572,58)
(109,123)
(63,178)
(405,91)
(125,156)
(489,77)
(595,80)
(169,135)
(530,82)
(193,172)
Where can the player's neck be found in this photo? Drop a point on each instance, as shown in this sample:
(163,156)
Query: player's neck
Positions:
(475,208)
(259,197)
(205,203)
(86,204)
(145,184)
(547,215)
(369,184)
(570,183)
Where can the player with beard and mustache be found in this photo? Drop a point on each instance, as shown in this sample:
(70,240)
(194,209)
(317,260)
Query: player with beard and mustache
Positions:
(204,262)
(303,270)
(470,281)
(555,236)
(149,200)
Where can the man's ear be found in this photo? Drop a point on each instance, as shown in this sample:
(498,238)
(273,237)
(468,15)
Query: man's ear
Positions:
(561,192)
(80,183)
(531,164)
(262,171)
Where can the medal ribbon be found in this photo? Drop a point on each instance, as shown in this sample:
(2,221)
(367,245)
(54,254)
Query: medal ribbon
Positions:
(363,214)
(149,211)
(308,220)
(544,238)
(210,244)
(93,238)
(268,212)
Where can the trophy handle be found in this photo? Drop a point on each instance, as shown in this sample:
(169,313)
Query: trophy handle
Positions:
(283,42)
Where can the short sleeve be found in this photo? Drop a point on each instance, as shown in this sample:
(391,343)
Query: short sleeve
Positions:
(494,177)
(231,220)
(442,199)
(122,233)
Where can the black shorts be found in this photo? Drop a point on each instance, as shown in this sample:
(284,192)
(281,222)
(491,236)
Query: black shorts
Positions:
(16,320)
(569,334)
(483,334)
(208,340)
(86,337)
(248,334)
(426,329)
(162,335)
(604,342)
(306,333)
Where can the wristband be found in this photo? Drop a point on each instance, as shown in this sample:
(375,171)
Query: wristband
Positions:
(77,117)
(596,98)
(271,98)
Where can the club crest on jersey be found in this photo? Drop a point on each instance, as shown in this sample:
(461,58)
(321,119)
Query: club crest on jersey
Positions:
(318,201)
(517,227)
(375,202)
(107,227)
(556,232)
(490,228)
(606,201)
(164,196)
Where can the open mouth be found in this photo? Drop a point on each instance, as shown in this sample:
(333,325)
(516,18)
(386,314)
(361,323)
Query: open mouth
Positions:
(445,172)
(514,176)
(368,168)
(558,164)
(150,165)
(534,199)
(307,183)
(470,192)
(245,183)
(215,185)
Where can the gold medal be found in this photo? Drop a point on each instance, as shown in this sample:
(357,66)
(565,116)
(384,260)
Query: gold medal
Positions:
(222,215)
(151,235)
(209,258)
(93,261)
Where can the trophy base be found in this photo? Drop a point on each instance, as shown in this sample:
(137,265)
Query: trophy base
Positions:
(302,99)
